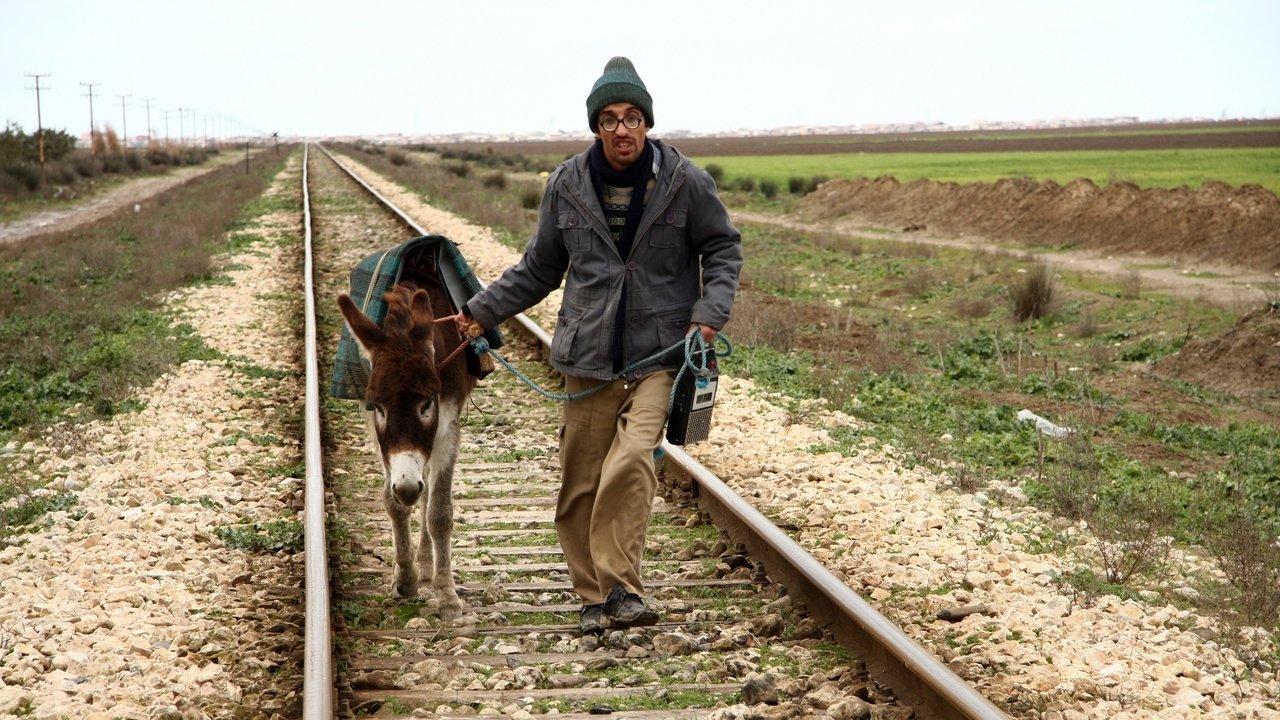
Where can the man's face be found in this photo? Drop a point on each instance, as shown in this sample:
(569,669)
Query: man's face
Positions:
(623,146)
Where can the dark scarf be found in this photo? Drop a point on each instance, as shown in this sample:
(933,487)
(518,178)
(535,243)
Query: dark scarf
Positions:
(636,176)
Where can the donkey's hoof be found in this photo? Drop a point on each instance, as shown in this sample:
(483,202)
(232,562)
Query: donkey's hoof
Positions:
(450,607)
(404,581)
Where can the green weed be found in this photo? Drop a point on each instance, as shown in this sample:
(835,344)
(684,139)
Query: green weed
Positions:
(263,537)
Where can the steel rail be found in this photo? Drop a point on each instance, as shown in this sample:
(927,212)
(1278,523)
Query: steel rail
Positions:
(317,682)
(914,674)
(525,323)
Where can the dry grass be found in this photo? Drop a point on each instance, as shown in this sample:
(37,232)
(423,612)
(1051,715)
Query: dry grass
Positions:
(1087,325)
(919,283)
(841,244)
(77,323)
(1033,292)
(450,183)
(972,308)
(1131,284)
(757,323)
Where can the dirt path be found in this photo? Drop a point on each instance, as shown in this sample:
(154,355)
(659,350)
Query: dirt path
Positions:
(100,205)
(1221,285)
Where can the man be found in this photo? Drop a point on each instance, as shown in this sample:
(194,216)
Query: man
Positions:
(650,256)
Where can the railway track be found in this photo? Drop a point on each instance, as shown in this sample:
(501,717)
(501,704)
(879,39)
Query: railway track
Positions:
(751,625)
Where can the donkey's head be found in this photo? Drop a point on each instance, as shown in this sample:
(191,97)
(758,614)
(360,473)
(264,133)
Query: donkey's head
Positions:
(404,385)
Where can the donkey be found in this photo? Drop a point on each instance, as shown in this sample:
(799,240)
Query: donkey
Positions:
(413,418)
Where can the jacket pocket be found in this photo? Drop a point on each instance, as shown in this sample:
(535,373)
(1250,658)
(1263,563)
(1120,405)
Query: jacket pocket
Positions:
(669,228)
(568,323)
(573,228)
(671,326)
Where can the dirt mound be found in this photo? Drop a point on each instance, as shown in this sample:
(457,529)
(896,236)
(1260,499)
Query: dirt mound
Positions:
(1215,224)
(1243,361)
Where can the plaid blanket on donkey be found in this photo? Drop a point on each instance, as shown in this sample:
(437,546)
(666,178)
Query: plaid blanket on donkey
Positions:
(375,275)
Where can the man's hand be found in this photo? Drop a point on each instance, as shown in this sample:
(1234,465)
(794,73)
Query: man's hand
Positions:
(467,325)
(708,332)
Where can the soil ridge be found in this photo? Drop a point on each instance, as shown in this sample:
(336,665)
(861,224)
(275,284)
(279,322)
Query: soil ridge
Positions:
(1215,223)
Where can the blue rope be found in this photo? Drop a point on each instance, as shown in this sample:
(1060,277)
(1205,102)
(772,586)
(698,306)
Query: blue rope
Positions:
(694,347)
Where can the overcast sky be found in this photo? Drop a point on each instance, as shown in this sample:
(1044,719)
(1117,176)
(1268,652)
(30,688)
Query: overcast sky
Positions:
(323,68)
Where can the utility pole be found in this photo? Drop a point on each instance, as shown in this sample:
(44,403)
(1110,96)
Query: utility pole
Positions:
(93,130)
(180,139)
(166,125)
(148,102)
(124,124)
(39,120)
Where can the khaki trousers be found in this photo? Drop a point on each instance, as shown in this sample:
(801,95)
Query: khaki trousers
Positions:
(608,480)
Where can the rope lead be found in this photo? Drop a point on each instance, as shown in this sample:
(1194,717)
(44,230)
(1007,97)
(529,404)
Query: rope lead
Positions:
(695,361)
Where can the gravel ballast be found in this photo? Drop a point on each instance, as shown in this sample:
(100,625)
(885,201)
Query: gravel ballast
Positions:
(130,606)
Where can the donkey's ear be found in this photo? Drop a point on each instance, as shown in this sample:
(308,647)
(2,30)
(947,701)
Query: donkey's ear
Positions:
(366,332)
(422,322)
(420,307)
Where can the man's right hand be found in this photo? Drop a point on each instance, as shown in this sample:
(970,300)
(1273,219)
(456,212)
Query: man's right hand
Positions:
(468,326)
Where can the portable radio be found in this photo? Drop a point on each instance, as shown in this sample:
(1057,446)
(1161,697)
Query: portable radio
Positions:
(690,420)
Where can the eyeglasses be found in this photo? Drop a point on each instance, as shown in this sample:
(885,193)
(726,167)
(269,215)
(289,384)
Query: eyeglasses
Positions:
(610,123)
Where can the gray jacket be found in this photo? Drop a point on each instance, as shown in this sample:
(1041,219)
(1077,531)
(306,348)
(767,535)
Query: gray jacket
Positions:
(683,268)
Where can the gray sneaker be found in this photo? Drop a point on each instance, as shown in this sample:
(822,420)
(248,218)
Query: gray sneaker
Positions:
(590,619)
(625,609)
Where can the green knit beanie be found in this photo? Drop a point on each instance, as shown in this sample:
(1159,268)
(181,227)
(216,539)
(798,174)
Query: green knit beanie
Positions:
(619,83)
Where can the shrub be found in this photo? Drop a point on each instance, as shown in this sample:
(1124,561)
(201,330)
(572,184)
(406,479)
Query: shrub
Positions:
(134,161)
(496,180)
(971,308)
(797,185)
(756,323)
(716,172)
(1087,326)
(86,167)
(769,189)
(461,169)
(814,182)
(61,173)
(397,157)
(1131,527)
(1131,284)
(919,283)
(26,175)
(157,155)
(112,164)
(1032,292)
(530,199)
(1074,478)
(1251,561)
(746,184)
(113,140)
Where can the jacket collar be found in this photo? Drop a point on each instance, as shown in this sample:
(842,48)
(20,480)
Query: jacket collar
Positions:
(668,166)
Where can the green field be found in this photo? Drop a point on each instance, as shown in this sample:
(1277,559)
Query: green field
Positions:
(1145,168)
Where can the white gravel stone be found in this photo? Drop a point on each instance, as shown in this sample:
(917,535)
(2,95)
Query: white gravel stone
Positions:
(904,528)
(98,613)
